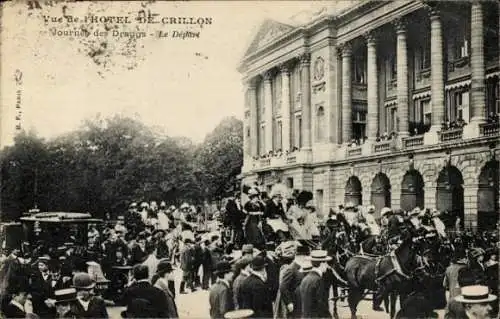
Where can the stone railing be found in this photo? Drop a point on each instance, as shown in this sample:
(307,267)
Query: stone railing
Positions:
(413,141)
(382,146)
(291,159)
(451,135)
(265,162)
(489,129)
(354,151)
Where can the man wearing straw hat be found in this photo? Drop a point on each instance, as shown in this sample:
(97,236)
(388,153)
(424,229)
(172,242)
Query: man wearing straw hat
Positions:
(473,303)
(313,295)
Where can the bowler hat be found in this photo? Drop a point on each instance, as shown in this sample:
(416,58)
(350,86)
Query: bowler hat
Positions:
(65,295)
(223,267)
(83,281)
(164,266)
(258,263)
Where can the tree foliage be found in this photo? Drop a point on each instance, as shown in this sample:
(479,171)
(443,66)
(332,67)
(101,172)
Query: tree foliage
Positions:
(107,163)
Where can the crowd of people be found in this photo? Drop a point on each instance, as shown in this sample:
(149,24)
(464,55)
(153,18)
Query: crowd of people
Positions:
(282,259)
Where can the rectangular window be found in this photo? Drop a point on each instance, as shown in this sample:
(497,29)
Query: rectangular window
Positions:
(279,135)
(424,55)
(359,66)
(392,115)
(427,111)
(462,106)
(298,132)
(262,140)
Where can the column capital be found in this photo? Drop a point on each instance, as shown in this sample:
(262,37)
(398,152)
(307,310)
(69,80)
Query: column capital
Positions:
(251,83)
(268,75)
(433,10)
(285,68)
(305,59)
(371,37)
(400,25)
(345,49)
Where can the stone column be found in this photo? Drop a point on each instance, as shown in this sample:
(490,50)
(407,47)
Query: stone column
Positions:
(372,89)
(305,62)
(346,52)
(268,115)
(285,104)
(254,118)
(437,71)
(478,78)
(402,77)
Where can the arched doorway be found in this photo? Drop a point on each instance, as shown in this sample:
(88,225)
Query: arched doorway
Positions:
(487,196)
(381,192)
(412,190)
(450,196)
(353,191)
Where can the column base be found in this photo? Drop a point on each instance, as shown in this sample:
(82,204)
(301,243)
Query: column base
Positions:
(472,130)
(367,148)
(432,137)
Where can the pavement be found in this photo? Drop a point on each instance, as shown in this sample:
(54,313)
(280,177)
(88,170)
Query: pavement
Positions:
(195,306)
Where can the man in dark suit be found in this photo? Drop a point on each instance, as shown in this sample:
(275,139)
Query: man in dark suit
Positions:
(87,305)
(221,294)
(19,306)
(139,252)
(42,290)
(255,293)
(290,281)
(142,289)
(235,217)
(312,291)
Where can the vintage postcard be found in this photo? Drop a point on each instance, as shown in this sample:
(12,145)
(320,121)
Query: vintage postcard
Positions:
(249,159)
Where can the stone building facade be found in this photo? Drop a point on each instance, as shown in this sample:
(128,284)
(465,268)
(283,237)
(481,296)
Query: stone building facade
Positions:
(368,105)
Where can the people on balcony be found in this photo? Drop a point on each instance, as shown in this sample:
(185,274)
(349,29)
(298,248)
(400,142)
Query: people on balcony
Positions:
(493,118)
(457,124)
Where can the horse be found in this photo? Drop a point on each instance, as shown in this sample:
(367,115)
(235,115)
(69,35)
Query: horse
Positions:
(383,274)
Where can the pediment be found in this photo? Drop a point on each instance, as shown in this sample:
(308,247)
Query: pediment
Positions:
(268,31)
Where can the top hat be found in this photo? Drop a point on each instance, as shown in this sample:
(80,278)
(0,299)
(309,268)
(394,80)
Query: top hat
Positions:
(319,255)
(164,266)
(239,314)
(223,267)
(475,294)
(83,281)
(258,263)
(303,250)
(65,295)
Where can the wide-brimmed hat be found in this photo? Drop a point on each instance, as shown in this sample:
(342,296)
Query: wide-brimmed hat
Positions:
(287,249)
(223,267)
(476,252)
(164,266)
(247,249)
(349,205)
(385,211)
(414,212)
(82,280)
(132,205)
(475,294)
(319,255)
(65,295)
(239,314)
(184,206)
(258,263)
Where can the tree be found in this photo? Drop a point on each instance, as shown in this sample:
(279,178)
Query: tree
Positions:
(219,158)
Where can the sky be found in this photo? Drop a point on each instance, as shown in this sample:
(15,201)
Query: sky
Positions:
(184,86)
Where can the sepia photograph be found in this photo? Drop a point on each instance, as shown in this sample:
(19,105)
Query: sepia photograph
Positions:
(249,159)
